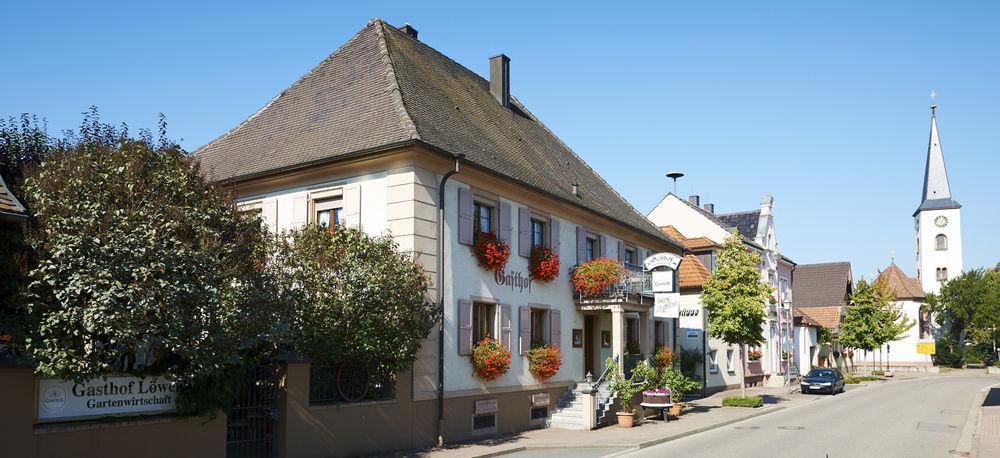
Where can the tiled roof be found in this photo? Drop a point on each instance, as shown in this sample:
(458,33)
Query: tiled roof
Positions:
(692,272)
(828,317)
(803,319)
(715,219)
(673,233)
(700,243)
(9,205)
(745,222)
(903,286)
(384,88)
(821,285)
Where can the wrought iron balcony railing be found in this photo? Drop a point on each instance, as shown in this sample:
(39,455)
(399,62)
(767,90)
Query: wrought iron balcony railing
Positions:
(634,285)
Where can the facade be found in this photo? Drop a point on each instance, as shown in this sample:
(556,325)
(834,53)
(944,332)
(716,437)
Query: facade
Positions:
(371,138)
(937,221)
(806,341)
(703,232)
(910,301)
(822,292)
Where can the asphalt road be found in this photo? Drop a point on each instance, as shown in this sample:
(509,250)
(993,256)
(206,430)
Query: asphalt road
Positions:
(922,417)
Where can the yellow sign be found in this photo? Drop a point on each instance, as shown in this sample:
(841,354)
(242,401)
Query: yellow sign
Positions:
(925,348)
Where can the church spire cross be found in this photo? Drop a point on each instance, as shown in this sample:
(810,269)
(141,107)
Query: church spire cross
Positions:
(936,189)
(933,103)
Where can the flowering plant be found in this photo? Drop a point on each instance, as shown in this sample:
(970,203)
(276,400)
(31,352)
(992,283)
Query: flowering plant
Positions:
(545,361)
(754,355)
(593,276)
(784,355)
(490,359)
(663,357)
(657,391)
(491,252)
(544,263)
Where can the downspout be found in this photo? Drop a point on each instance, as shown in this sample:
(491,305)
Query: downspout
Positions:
(440,296)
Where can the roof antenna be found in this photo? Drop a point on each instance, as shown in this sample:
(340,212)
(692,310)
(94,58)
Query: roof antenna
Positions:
(675,174)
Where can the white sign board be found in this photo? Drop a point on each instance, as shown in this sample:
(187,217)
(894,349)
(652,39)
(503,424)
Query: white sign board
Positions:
(690,317)
(666,305)
(60,399)
(668,260)
(663,281)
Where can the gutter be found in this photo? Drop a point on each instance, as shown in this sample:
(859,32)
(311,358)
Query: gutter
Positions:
(440,296)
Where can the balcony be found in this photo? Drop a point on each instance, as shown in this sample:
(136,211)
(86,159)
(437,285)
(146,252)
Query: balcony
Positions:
(635,287)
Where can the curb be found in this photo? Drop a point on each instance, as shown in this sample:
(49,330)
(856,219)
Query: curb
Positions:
(967,441)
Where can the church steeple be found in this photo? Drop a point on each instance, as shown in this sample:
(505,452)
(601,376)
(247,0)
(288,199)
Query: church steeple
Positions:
(937,191)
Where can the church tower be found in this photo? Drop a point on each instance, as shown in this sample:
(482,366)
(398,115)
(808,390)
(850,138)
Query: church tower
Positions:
(938,222)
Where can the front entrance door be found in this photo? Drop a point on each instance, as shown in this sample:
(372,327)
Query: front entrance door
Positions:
(588,345)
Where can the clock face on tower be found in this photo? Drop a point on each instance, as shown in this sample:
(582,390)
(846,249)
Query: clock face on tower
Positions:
(941,221)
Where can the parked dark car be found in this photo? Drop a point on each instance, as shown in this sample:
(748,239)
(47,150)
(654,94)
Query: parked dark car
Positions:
(823,380)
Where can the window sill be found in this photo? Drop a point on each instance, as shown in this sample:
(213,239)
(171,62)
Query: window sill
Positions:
(348,405)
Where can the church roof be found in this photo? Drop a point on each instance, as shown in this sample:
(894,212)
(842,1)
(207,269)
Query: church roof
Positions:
(937,189)
(383,89)
(904,286)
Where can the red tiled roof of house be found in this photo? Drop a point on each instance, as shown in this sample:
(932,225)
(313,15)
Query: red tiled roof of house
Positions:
(692,272)
(904,286)
(828,317)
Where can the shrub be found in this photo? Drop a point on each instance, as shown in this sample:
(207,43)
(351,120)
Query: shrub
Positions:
(544,361)
(678,383)
(633,348)
(490,359)
(858,379)
(947,351)
(879,373)
(353,297)
(663,357)
(491,252)
(592,277)
(627,388)
(544,264)
(742,401)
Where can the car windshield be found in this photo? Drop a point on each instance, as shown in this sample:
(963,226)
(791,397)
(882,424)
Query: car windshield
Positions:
(820,373)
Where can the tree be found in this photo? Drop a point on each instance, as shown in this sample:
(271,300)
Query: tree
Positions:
(142,267)
(892,323)
(353,298)
(958,305)
(734,297)
(861,327)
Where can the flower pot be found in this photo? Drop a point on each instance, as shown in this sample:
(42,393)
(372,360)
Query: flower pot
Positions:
(676,409)
(625,419)
(655,398)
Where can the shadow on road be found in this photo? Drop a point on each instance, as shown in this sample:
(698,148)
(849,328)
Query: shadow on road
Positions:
(992,398)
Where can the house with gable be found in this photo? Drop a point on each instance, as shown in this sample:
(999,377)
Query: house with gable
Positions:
(389,135)
(910,300)
(703,232)
(822,292)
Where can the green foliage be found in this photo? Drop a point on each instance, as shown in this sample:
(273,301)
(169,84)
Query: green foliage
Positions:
(353,297)
(823,336)
(742,401)
(854,380)
(947,353)
(23,144)
(143,268)
(879,373)
(643,377)
(734,295)
(873,319)
(689,359)
(679,384)
(969,305)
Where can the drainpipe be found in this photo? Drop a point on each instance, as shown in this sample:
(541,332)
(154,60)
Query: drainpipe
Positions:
(440,295)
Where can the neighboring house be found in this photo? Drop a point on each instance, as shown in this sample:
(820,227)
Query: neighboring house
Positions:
(11,209)
(364,140)
(703,232)
(822,292)
(806,340)
(910,300)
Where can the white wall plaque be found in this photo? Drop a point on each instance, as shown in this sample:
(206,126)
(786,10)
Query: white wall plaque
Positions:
(668,260)
(666,305)
(663,281)
(63,400)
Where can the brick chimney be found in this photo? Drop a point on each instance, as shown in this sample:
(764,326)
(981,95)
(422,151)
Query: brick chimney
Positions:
(710,208)
(500,79)
(409,30)
(695,199)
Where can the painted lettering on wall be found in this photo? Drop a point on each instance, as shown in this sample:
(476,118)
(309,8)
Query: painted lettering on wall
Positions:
(513,280)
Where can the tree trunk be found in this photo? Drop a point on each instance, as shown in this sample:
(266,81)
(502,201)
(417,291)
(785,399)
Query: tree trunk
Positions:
(873,361)
(743,372)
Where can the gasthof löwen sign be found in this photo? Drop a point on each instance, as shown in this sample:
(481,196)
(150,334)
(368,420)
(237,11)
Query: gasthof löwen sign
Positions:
(125,395)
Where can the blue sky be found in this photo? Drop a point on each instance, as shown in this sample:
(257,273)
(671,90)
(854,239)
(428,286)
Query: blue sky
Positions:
(822,106)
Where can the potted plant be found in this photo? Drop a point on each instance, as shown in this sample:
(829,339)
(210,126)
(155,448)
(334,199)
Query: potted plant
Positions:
(592,277)
(490,359)
(656,396)
(754,355)
(491,252)
(784,355)
(679,385)
(627,388)
(544,361)
(544,264)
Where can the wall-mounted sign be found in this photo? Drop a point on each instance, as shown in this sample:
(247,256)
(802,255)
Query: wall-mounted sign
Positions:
(60,400)
(926,347)
(539,399)
(486,406)
(513,280)
(662,280)
(666,305)
(668,260)
(690,317)
(578,338)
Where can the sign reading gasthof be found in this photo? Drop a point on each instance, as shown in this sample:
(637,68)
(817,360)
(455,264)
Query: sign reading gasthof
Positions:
(120,395)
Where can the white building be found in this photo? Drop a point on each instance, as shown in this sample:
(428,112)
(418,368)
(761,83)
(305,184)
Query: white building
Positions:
(910,301)
(938,221)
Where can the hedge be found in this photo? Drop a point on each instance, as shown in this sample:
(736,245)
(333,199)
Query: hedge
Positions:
(741,401)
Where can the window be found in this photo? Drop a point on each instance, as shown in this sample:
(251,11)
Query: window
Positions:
(539,413)
(329,211)
(539,328)
(483,218)
(729,361)
(630,255)
(713,364)
(592,248)
(941,242)
(537,233)
(483,321)
(942,274)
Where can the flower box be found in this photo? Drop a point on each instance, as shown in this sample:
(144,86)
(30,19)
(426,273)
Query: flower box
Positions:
(660,397)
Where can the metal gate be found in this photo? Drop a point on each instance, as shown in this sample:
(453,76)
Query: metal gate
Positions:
(250,427)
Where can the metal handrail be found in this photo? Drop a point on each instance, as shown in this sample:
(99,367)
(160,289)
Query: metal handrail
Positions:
(636,281)
(604,374)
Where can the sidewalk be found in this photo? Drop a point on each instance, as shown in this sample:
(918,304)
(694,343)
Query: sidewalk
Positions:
(986,441)
(704,414)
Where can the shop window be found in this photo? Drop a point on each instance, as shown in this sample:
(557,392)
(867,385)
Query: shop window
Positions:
(484,320)
(329,211)
(483,218)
